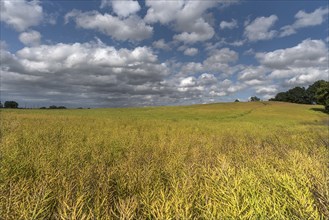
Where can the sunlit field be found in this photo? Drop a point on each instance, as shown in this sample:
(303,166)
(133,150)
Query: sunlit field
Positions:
(261,160)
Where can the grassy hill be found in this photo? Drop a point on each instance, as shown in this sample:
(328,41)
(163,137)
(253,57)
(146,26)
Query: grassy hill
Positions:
(262,160)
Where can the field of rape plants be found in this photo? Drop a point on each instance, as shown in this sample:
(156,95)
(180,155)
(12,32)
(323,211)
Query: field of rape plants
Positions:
(255,160)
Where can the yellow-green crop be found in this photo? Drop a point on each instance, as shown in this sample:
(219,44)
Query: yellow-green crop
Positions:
(261,160)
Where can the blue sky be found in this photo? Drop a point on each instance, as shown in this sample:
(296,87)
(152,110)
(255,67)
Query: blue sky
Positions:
(139,53)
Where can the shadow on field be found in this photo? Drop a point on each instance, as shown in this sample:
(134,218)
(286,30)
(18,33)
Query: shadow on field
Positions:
(319,110)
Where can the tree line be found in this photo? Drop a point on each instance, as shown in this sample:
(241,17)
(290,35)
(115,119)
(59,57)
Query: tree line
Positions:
(317,93)
(9,104)
(14,104)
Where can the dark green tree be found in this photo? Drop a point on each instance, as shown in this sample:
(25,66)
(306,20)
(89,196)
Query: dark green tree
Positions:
(11,104)
(313,89)
(317,93)
(298,95)
(281,97)
(254,99)
(322,95)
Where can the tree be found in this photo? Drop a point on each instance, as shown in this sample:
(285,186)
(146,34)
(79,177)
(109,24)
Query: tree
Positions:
(295,95)
(298,95)
(1,106)
(317,93)
(11,104)
(322,95)
(281,97)
(254,99)
(313,89)
(57,107)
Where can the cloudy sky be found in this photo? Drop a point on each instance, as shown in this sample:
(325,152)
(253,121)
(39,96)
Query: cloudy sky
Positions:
(107,53)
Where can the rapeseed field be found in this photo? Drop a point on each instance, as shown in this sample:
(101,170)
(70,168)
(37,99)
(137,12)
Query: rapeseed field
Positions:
(256,160)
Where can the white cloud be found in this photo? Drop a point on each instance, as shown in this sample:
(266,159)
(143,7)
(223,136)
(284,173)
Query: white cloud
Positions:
(3,45)
(122,8)
(253,82)
(252,72)
(162,11)
(307,53)
(307,76)
(229,24)
(131,28)
(188,81)
(105,3)
(222,56)
(105,76)
(287,31)
(259,29)
(30,38)
(266,90)
(207,79)
(199,31)
(235,88)
(161,44)
(304,19)
(217,62)
(299,65)
(21,14)
(192,68)
(237,43)
(86,72)
(186,17)
(191,51)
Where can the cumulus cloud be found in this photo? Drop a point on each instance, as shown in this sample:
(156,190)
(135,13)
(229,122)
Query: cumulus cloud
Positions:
(122,8)
(131,28)
(228,24)
(91,72)
(191,51)
(188,81)
(280,69)
(260,28)
(235,88)
(218,61)
(252,73)
(96,74)
(207,87)
(266,90)
(100,75)
(186,17)
(199,31)
(21,14)
(162,11)
(307,53)
(298,65)
(30,38)
(161,44)
(304,19)
(224,55)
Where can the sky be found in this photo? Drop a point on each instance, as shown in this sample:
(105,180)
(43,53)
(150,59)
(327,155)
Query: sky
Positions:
(110,53)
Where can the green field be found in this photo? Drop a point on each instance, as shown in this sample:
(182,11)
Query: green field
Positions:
(261,160)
